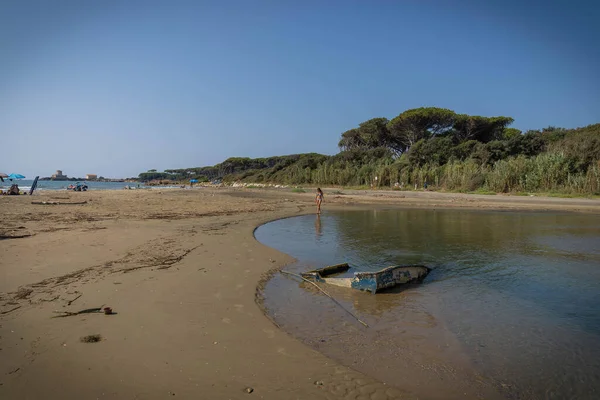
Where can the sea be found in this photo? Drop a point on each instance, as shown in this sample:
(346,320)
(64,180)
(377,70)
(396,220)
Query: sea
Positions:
(25,185)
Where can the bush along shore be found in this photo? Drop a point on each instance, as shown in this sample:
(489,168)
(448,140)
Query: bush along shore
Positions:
(431,147)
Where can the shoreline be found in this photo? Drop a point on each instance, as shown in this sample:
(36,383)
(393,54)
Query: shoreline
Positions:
(445,200)
(182,269)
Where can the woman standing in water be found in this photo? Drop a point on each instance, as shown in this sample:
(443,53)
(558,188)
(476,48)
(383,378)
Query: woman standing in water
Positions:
(319,200)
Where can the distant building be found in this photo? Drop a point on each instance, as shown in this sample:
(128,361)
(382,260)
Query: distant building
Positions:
(91,177)
(59,175)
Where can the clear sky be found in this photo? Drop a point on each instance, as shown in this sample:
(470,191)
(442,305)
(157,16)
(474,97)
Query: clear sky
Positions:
(117,88)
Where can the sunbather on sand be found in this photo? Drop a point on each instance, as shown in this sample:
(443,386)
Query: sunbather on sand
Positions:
(14,189)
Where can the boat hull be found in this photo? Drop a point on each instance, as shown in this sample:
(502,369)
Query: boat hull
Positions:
(388,277)
(370,281)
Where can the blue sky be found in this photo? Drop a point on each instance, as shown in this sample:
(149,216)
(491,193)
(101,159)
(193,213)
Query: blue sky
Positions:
(117,88)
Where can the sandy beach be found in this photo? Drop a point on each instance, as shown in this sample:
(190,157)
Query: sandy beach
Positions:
(180,270)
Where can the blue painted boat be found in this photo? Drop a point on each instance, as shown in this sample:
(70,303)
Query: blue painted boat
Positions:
(369,281)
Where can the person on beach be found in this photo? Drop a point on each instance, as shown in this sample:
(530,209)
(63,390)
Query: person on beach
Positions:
(319,200)
(14,189)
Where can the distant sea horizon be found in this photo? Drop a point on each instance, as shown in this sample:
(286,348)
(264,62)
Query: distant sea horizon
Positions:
(25,184)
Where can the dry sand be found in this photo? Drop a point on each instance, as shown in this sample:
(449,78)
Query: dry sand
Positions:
(180,269)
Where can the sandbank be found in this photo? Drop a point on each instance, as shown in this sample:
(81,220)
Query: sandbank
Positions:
(180,269)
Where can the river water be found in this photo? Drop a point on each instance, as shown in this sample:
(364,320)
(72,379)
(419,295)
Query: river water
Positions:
(511,308)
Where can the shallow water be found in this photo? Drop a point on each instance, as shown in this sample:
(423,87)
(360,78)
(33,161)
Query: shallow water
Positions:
(510,310)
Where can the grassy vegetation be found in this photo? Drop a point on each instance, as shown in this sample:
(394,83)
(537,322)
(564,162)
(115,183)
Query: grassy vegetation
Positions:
(448,151)
(484,192)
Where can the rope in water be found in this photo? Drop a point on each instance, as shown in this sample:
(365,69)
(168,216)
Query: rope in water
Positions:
(326,294)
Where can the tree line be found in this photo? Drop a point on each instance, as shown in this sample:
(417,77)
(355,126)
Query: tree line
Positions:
(413,126)
(434,145)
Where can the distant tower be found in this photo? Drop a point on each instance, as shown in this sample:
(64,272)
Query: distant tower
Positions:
(59,175)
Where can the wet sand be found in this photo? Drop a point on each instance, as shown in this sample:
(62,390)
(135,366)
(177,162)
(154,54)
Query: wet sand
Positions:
(180,269)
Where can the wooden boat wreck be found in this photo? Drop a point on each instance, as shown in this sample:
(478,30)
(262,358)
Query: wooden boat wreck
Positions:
(369,281)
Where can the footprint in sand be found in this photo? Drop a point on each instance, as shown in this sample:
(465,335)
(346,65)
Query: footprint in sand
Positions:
(349,385)
(270,333)
(239,308)
(282,351)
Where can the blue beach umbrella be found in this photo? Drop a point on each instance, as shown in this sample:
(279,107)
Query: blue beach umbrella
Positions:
(16,176)
(193,180)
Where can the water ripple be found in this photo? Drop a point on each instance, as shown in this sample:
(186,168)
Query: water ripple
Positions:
(513,297)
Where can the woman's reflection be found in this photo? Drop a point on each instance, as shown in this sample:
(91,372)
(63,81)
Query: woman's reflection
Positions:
(318,228)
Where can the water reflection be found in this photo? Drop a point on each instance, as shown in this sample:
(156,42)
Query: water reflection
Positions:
(318,226)
(364,302)
(520,292)
(419,235)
